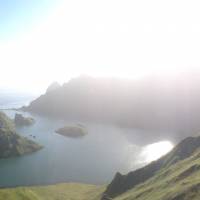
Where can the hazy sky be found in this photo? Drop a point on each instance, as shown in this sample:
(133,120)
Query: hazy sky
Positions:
(46,40)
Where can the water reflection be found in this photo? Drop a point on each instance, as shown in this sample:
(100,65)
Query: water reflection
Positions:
(94,159)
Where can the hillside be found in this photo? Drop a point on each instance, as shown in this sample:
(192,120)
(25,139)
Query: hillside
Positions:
(12,144)
(68,191)
(177,182)
(184,150)
(163,105)
(178,178)
(6,123)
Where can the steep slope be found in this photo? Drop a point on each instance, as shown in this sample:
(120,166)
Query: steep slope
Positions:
(12,144)
(180,181)
(177,179)
(122,183)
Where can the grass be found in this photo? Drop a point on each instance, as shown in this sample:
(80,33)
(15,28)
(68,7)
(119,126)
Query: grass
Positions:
(178,182)
(64,191)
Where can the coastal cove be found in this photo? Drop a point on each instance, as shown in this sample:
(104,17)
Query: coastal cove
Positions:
(64,159)
(67,159)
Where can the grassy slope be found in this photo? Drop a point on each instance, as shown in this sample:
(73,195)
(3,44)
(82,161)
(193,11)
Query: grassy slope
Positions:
(12,144)
(68,191)
(6,122)
(178,182)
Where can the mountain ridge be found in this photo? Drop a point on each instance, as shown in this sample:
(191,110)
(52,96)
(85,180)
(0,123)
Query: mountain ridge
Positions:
(151,104)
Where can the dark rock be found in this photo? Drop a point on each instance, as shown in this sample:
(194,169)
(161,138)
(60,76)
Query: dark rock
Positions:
(20,120)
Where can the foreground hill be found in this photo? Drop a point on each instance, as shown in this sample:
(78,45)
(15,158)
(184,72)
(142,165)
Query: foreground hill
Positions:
(68,191)
(164,105)
(177,182)
(176,178)
(12,144)
(181,163)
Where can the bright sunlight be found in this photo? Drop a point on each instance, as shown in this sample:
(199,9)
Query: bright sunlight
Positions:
(155,151)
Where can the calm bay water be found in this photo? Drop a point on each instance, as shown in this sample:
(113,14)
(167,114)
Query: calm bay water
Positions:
(92,159)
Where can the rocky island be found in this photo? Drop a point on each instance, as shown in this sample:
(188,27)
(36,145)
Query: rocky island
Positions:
(12,144)
(76,131)
(20,120)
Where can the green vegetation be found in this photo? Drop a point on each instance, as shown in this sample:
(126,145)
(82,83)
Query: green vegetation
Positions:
(122,183)
(180,181)
(177,181)
(6,123)
(68,191)
(12,144)
(72,131)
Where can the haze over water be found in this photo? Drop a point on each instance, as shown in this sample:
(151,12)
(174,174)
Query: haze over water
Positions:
(71,160)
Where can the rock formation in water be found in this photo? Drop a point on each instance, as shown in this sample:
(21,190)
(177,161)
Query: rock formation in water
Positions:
(20,120)
(72,131)
(12,144)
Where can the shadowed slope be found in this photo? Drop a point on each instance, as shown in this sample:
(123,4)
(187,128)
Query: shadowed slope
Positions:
(122,183)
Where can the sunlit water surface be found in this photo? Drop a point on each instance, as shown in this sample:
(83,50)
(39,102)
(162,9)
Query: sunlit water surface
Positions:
(92,159)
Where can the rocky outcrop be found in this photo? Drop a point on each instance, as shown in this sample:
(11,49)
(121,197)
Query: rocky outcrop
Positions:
(12,144)
(20,120)
(72,131)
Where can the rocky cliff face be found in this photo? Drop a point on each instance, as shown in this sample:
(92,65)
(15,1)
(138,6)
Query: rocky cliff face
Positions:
(12,144)
(20,120)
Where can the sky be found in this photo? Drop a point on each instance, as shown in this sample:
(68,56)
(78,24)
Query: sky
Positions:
(42,41)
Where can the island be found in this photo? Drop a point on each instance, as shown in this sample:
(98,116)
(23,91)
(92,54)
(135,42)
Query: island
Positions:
(20,120)
(11,143)
(75,131)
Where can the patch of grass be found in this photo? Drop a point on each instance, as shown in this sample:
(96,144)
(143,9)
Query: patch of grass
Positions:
(180,181)
(6,123)
(65,191)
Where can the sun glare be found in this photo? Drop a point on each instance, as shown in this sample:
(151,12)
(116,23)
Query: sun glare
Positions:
(155,151)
